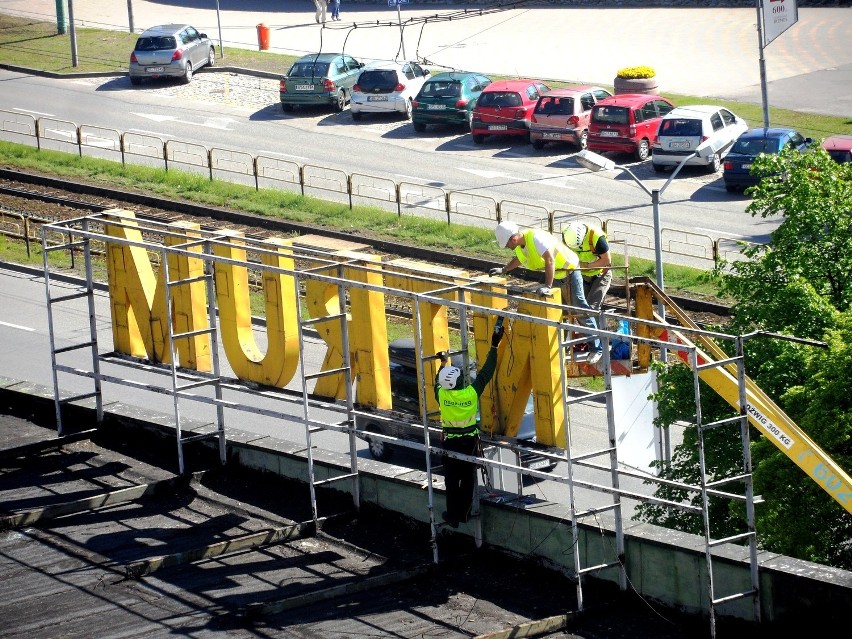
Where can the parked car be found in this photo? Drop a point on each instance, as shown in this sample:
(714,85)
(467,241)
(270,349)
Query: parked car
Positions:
(684,128)
(839,147)
(387,87)
(405,392)
(505,108)
(627,123)
(754,142)
(319,79)
(562,115)
(170,51)
(448,98)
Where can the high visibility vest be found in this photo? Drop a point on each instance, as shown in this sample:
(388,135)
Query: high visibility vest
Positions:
(586,252)
(565,259)
(458,411)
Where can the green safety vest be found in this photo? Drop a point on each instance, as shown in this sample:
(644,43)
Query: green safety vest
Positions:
(565,259)
(458,411)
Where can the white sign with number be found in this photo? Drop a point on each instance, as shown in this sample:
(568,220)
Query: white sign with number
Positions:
(778,16)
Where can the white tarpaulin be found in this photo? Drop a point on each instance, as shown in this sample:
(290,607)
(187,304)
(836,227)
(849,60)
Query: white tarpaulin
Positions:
(638,440)
(778,16)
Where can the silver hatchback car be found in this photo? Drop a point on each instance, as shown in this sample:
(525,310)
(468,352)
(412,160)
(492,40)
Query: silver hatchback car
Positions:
(170,51)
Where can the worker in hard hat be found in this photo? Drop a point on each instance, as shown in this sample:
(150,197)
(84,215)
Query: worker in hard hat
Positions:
(459,405)
(538,250)
(591,246)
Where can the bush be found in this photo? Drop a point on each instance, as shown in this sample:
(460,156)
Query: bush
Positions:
(636,73)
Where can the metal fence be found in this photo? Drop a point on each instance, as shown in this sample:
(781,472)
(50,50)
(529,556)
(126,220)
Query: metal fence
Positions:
(404,198)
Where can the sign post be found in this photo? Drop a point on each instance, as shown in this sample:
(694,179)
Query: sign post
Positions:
(774,17)
(397,4)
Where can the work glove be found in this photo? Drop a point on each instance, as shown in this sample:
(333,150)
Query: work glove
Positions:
(497,270)
(445,357)
(497,335)
(543,290)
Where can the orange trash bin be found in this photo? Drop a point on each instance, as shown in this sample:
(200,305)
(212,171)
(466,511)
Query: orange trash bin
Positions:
(263,37)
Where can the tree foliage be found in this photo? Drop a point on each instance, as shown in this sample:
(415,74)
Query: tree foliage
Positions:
(799,286)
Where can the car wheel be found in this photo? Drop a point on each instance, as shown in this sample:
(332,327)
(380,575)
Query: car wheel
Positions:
(419,127)
(643,151)
(211,58)
(584,140)
(730,188)
(659,168)
(716,164)
(408,109)
(469,121)
(287,108)
(538,144)
(135,81)
(356,115)
(379,450)
(340,104)
(187,74)
(478,139)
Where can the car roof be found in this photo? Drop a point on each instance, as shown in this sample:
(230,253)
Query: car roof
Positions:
(511,85)
(163,29)
(388,64)
(839,142)
(455,75)
(630,99)
(694,110)
(760,132)
(571,91)
(319,57)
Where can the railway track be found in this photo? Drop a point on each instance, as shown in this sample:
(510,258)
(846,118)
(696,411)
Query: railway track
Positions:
(55,199)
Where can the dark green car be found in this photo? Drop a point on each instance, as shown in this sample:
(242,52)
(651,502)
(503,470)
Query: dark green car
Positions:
(320,79)
(448,98)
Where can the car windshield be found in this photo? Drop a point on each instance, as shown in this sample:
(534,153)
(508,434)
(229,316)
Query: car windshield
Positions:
(754,147)
(309,69)
(371,80)
(555,106)
(680,126)
(611,115)
(500,99)
(442,89)
(156,43)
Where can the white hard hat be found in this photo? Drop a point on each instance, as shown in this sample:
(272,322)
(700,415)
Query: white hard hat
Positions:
(573,235)
(505,231)
(448,377)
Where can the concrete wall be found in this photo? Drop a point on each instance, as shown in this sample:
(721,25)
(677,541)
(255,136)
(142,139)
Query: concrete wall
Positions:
(663,565)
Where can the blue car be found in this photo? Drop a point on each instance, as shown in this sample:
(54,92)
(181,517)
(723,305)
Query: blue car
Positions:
(737,168)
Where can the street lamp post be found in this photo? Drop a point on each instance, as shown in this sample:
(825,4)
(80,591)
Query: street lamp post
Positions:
(595,162)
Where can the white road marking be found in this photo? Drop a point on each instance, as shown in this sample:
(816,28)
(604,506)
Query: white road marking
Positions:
(223,124)
(22,328)
(147,132)
(284,155)
(49,115)
(486,174)
(561,206)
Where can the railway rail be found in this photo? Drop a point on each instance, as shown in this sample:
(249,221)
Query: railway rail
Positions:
(49,198)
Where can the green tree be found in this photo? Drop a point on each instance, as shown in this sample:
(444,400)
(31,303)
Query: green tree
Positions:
(799,286)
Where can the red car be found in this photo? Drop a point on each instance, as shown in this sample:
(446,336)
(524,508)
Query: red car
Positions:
(839,147)
(627,123)
(562,115)
(505,107)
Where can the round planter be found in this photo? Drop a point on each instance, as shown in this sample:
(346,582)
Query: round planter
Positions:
(636,85)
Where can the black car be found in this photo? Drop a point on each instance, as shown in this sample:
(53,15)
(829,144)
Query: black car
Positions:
(405,390)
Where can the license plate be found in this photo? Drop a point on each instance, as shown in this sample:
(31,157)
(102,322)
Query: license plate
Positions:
(746,166)
(436,107)
(680,145)
(497,127)
(377,98)
(609,134)
(550,136)
(541,463)
(304,87)
(154,69)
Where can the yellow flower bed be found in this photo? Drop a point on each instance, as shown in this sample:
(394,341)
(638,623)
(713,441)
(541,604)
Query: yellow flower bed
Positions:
(636,73)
